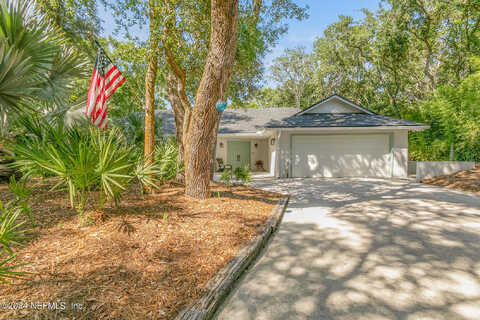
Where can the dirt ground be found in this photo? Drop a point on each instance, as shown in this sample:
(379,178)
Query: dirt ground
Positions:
(468,180)
(146,259)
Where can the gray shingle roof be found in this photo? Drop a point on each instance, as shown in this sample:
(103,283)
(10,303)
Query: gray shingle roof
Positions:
(236,120)
(321,120)
(252,120)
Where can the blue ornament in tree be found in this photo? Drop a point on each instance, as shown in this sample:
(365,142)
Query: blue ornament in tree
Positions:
(221,105)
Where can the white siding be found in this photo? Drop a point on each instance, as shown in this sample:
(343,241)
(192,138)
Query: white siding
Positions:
(283,154)
(400,154)
(398,142)
(259,153)
(334,106)
(272,155)
(221,152)
(346,155)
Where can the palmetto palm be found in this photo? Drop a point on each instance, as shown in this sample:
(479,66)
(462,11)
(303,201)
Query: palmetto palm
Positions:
(36,66)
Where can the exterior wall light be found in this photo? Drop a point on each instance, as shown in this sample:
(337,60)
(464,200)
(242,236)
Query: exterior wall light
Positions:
(272,141)
(221,144)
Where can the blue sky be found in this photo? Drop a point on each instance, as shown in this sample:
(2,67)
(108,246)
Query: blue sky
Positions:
(322,13)
(301,33)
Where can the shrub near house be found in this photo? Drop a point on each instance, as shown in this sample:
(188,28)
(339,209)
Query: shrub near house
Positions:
(240,174)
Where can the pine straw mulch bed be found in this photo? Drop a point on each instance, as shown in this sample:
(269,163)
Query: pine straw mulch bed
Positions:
(467,180)
(149,258)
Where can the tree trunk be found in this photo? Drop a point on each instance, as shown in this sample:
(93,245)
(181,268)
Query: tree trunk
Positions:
(150,78)
(179,115)
(214,148)
(297,100)
(201,121)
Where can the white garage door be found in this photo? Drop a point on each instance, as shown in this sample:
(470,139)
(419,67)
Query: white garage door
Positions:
(365,155)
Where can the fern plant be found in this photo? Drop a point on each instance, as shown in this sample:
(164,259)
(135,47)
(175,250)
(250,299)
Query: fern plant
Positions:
(243,174)
(146,175)
(226,177)
(12,230)
(166,155)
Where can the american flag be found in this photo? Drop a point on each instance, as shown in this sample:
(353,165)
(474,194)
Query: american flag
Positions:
(106,78)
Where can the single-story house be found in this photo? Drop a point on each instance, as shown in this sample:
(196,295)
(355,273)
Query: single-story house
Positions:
(333,138)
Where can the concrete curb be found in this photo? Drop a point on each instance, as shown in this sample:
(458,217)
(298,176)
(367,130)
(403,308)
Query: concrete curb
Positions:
(222,283)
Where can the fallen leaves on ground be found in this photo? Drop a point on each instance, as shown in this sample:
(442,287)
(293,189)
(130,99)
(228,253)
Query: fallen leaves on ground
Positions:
(147,259)
(467,180)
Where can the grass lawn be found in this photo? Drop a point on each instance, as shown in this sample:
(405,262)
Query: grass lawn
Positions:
(468,180)
(146,259)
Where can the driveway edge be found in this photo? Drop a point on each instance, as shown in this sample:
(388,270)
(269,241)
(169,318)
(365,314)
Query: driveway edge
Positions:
(222,283)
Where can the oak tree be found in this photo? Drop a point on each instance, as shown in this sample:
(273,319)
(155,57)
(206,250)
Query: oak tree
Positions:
(187,44)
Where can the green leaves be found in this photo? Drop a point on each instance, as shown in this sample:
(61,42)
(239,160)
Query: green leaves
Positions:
(454,115)
(226,177)
(241,174)
(164,167)
(114,162)
(87,161)
(82,160)
(293,71)
(12,232)
(147,175)
(7,270)
(16,78)
(184,26)
(166,154)
(36,66)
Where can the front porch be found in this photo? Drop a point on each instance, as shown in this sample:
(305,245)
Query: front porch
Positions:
(235,151)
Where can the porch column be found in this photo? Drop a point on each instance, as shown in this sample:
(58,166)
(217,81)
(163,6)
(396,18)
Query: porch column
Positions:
(276,154)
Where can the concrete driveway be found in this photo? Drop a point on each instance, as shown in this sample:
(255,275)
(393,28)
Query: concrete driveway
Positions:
(366,249)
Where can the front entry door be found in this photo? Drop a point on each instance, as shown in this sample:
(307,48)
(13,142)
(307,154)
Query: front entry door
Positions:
(238,153)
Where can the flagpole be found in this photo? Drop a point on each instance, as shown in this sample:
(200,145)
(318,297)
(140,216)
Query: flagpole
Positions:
(130,87)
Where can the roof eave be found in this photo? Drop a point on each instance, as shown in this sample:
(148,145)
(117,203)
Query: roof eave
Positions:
(409,128)
(259,134)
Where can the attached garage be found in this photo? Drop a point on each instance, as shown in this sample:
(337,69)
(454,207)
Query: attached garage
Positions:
(342,155)
(338,138)
(333,138)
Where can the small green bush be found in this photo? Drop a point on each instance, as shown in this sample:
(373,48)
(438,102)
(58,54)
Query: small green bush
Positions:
(166,154)
(19,189)
(243,174)
(163,168)
(146,175)
(240,174)
(226,177)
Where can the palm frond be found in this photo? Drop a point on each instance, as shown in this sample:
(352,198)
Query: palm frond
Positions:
(36,66)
